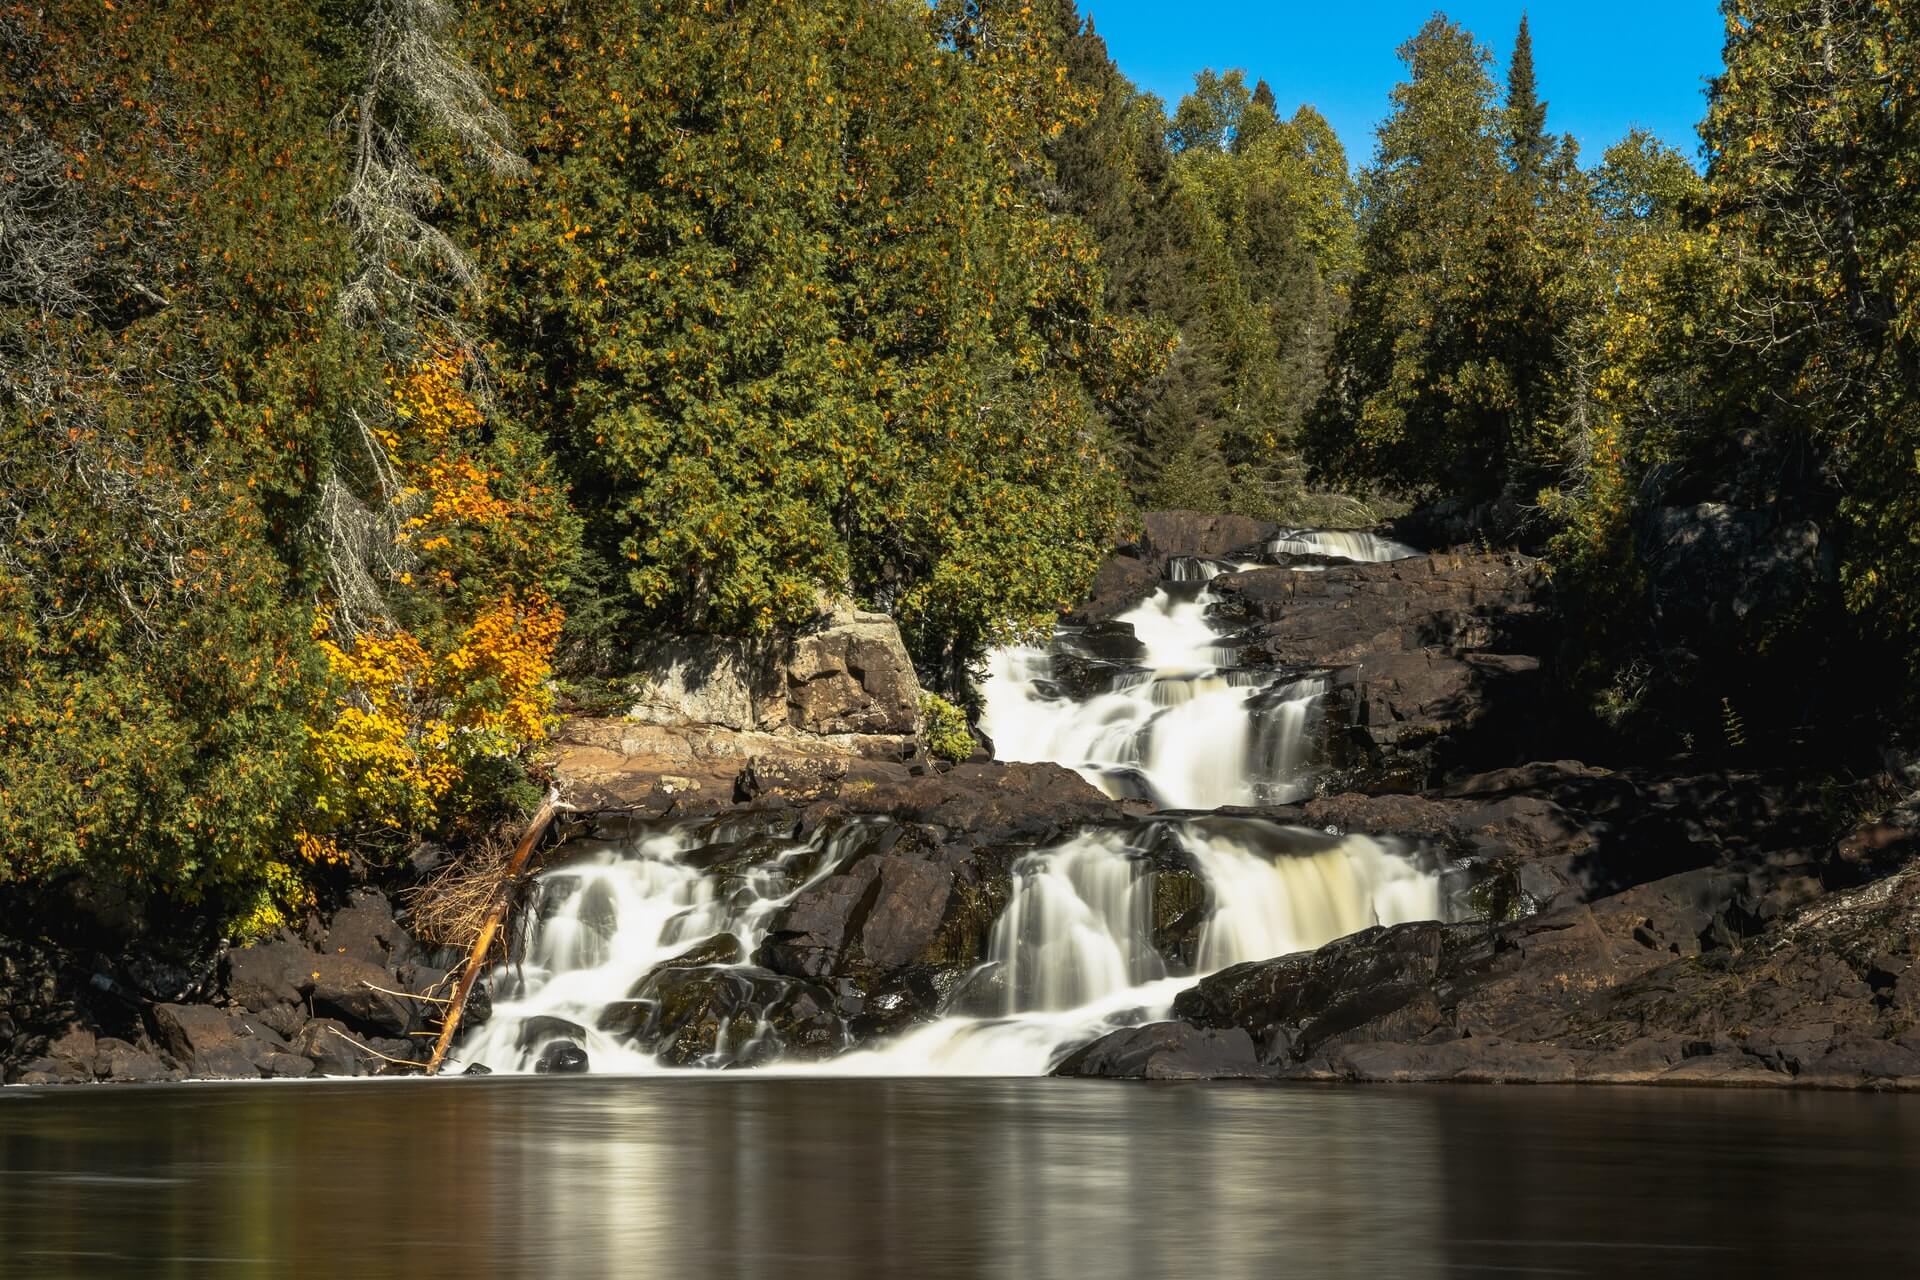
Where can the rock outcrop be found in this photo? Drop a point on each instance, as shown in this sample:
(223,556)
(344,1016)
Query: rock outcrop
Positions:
(1433,658)
(838,697)
(338,1000)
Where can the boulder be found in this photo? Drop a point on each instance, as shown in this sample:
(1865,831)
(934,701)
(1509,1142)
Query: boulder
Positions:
(332,1048)
(267,974)
(905,901)
(1168,1051)
(852,676)
(366,930)
(128,1064)
(357,992)
(214,1044)
(727,1016)
(563,1058)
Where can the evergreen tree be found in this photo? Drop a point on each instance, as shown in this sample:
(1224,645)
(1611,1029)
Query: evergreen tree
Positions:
(1526,115)
(1813,150)
(1419,397)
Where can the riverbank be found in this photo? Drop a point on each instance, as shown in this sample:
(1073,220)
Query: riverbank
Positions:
(1683,921)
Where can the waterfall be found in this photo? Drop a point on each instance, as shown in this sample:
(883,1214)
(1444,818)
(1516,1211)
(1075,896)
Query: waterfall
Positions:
(1095,935)
(1073,955)
(1099,931)
(1163,714)
(618,909)
(1346,544)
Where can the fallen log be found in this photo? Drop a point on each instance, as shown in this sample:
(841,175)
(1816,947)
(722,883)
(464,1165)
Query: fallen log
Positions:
(483,942)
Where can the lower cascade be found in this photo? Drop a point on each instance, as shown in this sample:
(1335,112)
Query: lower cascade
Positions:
(754,942)
(1098,932)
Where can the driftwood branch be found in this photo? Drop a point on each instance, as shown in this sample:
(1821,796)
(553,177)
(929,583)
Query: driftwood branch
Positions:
(496,914)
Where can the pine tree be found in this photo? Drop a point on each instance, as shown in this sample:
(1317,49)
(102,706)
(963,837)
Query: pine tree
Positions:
(1526,115)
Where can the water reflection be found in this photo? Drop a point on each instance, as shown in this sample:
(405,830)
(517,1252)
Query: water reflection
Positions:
(884,1178)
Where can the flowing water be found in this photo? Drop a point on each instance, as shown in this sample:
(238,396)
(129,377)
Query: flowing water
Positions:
(722,1175)
(1153,706)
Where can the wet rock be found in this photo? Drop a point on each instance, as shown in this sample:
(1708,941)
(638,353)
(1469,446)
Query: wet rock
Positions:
(908,902)
(542,1028)
(562,1058)
(477,1069)
(1167,1051)
(732,1016)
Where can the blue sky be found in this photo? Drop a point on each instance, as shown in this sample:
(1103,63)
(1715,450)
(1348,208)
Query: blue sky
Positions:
(1602,67)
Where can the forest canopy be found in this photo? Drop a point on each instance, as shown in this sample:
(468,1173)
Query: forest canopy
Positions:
(373,373)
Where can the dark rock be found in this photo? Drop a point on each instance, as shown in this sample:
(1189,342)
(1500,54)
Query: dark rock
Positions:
(1712,569)
(736,1016)
(1193,533)
(213,1044)
(543,1028)
(477,1069)
(286,1065)
(1167,1051)
(333,1050)
(267,974)
(562,1058)
(357,992)
(366,930)
(991,802)
(117,1060)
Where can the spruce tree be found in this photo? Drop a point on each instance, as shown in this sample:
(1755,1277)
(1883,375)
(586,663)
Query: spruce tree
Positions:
(1526,115)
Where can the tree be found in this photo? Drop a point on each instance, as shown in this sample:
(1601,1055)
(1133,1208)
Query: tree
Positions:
(1526,115)
(1419,398)
(1812,153)
(777,288)
(170,365)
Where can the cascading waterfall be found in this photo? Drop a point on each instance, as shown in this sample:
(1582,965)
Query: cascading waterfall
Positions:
(1167,717)
(1083,946)
(1099,931)
(1073,956)
(1345,544)
(609,916)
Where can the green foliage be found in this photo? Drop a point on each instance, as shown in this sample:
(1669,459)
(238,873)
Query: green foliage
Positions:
(1463,292)
(1814,156)
(775,290)
(1231,230)
(944,728)
(168,365)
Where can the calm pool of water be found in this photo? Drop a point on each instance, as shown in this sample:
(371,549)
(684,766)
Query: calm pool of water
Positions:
(716,1177)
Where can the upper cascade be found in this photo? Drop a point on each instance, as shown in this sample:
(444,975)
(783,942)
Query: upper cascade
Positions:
(1347,544)
(1155,705)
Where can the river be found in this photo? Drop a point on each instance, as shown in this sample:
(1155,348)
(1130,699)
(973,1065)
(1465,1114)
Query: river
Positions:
(732,1175)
